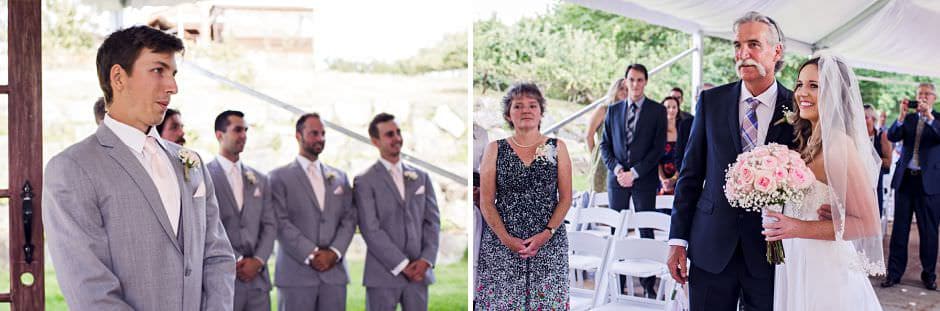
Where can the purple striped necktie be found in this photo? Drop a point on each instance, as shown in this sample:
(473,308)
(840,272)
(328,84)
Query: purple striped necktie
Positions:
(749,125)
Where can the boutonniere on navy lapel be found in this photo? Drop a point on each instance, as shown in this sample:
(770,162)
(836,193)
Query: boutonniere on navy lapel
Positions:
(411,175)
(330,176)
(190,160)
(788,116)
(252,179)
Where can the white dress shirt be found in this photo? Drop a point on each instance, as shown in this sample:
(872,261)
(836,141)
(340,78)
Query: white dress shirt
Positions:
(765,111)
(305,164)
(134,140)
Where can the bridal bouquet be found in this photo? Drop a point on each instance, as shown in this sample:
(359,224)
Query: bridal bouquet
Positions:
(768,177)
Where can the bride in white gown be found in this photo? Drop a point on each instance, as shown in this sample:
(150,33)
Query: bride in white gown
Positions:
(828,259)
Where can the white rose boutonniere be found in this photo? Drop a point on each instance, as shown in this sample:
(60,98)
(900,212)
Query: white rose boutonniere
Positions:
(546,153)
(190,160)
(330,176)
(252,179)
(411,175)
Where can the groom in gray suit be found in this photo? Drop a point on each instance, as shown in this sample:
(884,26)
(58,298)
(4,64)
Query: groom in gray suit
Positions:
(400,223)
(316,221)
(246,212)
(131,219)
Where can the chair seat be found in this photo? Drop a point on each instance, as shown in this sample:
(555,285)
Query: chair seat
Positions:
(577,302)
(638,268)
(582,262)
(629,306)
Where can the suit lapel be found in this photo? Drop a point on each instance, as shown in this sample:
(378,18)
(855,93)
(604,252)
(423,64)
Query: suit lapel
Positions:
(248,190)
(302,180)
(123,157)
(774,129)
(734,122)
(410,185)
(186,195)
(327,186)
(219,178)
(387,177)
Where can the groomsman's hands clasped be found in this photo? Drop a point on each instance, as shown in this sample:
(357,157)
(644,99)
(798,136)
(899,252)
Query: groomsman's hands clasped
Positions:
(323,260)
(625,178)
(247,268)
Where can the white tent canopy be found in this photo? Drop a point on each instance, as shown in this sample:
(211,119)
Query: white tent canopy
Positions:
(889,35)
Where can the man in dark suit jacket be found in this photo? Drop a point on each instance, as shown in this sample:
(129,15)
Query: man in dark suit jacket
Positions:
(724,243)
(920,162)
(633,142)
(246,212)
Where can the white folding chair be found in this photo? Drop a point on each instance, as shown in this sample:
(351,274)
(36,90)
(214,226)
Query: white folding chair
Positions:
(586,253)
(603,219)
(657,221)
(635,258)
(665,201)
(599,199)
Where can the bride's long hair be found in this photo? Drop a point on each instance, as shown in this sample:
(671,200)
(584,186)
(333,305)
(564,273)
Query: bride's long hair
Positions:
(851,163)
(808,139)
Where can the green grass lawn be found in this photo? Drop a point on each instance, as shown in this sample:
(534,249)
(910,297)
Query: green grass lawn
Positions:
(448,293)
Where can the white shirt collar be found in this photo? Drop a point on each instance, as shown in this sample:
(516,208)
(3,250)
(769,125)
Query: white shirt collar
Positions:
(130,136)
(305,163)
(388,165)
(766,98)
(639,103)
(228,164)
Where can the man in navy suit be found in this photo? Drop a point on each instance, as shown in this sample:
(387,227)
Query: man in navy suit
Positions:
(920,162)
(633,142)
(724,243)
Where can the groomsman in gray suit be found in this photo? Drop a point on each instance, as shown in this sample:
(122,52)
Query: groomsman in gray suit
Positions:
(316,221)
(131,220)
(400,223)
(246,212)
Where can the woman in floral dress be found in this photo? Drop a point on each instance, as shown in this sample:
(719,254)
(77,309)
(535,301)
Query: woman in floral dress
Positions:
(525,193)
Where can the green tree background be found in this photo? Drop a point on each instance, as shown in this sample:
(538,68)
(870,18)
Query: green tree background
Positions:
(574,53)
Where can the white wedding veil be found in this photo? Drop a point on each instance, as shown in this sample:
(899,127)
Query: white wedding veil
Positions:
(851,164)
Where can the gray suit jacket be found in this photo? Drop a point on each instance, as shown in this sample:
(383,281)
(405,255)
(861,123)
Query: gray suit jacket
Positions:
(110,238)
(386,222)
(302,227)
(253,229)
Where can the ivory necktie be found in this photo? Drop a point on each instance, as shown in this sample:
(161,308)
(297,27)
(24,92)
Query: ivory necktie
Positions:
(317,182)
(235,178)
(167,186)
(399,181)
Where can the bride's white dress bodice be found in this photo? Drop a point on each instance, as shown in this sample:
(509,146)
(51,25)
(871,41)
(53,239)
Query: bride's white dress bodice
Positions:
(815,274)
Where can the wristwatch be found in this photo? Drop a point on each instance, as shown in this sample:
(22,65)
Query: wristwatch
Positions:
(550,229)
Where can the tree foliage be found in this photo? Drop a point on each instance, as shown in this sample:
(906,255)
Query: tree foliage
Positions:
(450,53)
(574,53)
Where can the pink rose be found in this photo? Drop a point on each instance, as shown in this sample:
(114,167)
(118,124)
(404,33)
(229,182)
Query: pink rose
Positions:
(760,152)
(769,162)
(745,175)
(796,159)
(798,178)
(764,182)
(780,174)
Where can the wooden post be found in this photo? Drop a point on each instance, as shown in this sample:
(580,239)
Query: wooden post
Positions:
(25,149)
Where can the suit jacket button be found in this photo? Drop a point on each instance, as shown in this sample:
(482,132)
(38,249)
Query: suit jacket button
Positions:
(188,271)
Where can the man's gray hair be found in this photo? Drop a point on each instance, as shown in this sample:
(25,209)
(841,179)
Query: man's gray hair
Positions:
(927,84)
(774,34)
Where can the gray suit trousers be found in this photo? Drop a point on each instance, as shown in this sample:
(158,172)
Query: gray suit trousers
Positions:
(249,298)
(324,297)
(413,297)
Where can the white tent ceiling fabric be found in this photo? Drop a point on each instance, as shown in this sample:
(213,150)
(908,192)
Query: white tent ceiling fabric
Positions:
(900,36)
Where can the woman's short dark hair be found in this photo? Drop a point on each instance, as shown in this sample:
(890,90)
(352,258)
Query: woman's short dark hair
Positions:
(123,47)
(519,90)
